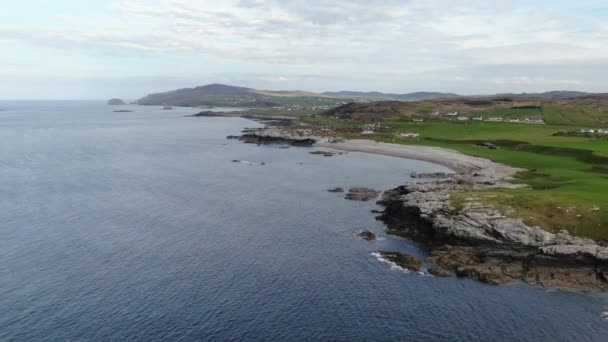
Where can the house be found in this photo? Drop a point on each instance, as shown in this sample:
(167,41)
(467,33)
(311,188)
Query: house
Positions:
(409,135)
(603,130)
(587,131)
(435,113)
(514,120)
(418,120)
(537,120)
(462,118)
(495,119)
(478,118)
(451,114)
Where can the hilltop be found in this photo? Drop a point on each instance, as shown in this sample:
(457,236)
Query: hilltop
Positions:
(423,95)
(222,95)
(588,110)
(225,95)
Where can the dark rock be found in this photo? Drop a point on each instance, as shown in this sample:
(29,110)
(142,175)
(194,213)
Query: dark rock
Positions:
(366,235)
(123,111)
(323,153)
(439,271)
(362,194)
(403,260)
(336,190)
(234,137)
(254,138)
(431,175)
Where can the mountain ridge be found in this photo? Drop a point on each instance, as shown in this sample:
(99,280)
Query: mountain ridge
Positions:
(217,94)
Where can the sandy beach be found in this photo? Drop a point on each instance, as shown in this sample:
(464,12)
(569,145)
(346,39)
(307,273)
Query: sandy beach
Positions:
(451,159)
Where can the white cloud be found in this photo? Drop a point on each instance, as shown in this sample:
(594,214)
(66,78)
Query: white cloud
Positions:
(357,39)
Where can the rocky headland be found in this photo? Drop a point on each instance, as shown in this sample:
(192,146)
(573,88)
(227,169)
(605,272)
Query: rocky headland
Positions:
(480,242)
(475,239)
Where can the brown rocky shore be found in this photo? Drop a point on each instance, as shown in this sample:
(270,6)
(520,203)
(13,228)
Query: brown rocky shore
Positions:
(475,240)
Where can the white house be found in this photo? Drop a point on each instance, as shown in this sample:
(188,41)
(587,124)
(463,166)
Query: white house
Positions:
(587,131)
(367,131)
(603,130)
(409,135)
(478,118)
(418,120)
(462,118)
(452,114)
(495,119)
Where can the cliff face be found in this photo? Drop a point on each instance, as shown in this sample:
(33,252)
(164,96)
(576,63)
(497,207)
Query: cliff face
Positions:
(479,242)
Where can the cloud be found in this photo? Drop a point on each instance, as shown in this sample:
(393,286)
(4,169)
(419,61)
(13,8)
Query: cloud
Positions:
(400,38)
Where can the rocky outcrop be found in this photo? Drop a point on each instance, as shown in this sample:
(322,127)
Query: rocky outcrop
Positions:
(362,194)
(269,136)
(430,175)
(439,271)
(336,190)
(326,153)
(366,235)
(480,242)
(402,260)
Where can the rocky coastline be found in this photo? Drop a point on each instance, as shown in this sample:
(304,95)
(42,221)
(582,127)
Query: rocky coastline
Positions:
(476,240)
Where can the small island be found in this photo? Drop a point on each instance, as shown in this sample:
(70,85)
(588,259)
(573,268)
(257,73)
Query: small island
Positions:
(116,102)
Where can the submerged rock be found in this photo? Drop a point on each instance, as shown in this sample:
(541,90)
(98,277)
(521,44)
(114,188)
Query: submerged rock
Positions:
(336,190)
(323,153)
(327,153)
(402,260)
(362,194)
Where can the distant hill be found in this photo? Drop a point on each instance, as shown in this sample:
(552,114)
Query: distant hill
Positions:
(423,95)
(371,111)
(586,111)
(116,102)
(555,94)
(222,95)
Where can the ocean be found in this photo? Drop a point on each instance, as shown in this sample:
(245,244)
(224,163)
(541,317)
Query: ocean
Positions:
(139,226)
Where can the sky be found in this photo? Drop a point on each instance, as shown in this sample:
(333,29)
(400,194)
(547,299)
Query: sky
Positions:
(74,49)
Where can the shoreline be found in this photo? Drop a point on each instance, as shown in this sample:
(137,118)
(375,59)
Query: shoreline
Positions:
(477,240)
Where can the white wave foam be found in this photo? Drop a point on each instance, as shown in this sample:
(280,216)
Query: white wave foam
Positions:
(395,267)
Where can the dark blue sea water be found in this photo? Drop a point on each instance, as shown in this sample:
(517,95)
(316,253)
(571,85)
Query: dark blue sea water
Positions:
(138,227)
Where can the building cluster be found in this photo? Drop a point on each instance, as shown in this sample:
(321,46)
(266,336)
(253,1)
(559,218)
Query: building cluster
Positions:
(459,117)
(409,135)
(371,129)
(593,131)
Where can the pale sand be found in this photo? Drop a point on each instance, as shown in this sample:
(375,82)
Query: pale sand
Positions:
(454,160)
